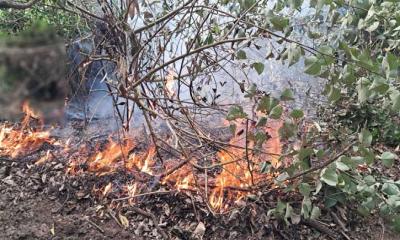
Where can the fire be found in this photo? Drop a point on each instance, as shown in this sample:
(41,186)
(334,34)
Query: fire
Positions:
(182,179)
(230,179)
(238,170)
(20,141)
(113,156)
(274,146)
(143,162)
(105,161)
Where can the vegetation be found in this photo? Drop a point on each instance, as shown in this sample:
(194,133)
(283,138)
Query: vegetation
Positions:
(66,24)
(353,44)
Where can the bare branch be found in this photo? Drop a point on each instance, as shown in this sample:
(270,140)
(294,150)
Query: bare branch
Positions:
(4,4)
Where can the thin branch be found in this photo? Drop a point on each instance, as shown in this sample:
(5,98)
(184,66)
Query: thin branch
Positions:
(5,4)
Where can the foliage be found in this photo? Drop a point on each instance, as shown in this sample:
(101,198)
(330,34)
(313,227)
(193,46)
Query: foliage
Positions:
(352,44)
(356,48)
(66,24)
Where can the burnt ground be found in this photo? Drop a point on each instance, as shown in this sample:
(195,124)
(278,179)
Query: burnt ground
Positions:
(42,202)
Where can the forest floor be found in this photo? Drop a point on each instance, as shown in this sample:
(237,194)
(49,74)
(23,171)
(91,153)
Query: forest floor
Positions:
(43,202)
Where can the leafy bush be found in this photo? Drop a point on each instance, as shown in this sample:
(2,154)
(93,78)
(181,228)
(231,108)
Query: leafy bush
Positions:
(66,24)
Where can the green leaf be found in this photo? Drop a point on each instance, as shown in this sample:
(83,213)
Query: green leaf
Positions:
(265,167)
(379,85)
(334,94)
(318,187)
(312,65)
(259,67)
(365,137)
(294,53)
(390,189)
(235,112)
(395,99)
(278,22)
(288,130)
(304,153)
(251,91)
(287,95)
(369,180)
(329,176)
(295,4)
(305,189)
(390,64)
(315,213)
(260,137)
(266,104)
(306,207)
(396,223)
(341,166)
(388,159)
(241,55)
(349,75)
(363,90)
(372,27)
(276,112)
(297,114)
(262,122)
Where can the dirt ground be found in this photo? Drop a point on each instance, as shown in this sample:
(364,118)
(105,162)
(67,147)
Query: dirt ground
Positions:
(42,202)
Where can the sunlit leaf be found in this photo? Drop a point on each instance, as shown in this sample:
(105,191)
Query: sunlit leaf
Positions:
(287,95)
(388,159)
(305,189)
(259,67)
(329,176)
(297,114)
(236,112)
(365,137)
(276,112)
(241,55)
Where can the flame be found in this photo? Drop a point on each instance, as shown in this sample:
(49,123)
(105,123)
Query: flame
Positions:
(181,179)
(238,168)
(274,145)
(234,168)
(115,155)
(143,162)
(17,142)
(106,161)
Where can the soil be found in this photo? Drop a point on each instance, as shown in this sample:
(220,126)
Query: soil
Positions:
(43,202)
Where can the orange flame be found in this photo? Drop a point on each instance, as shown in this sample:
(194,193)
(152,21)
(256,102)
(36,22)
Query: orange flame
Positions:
(17,142)
(106,161)
(142,162)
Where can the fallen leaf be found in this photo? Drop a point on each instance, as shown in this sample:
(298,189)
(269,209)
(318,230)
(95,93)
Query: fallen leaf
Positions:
(53,232)
(107,189)
(200,230)
(124,221)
